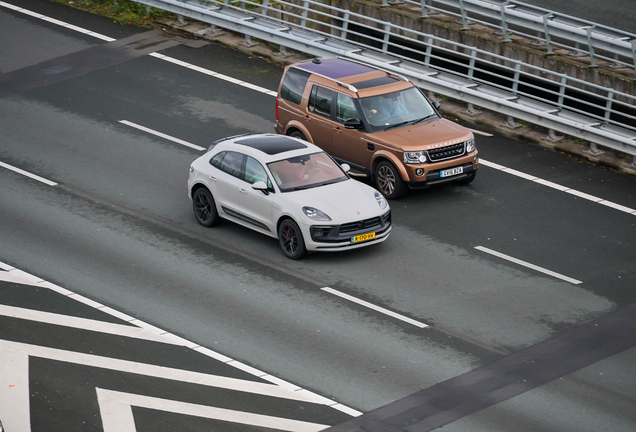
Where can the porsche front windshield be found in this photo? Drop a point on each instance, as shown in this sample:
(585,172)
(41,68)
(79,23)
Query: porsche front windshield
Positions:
(306,171)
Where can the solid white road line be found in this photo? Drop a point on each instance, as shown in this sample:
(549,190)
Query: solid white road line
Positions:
(528,265)
(28,174)
(14,275)
(14,391)
(117,416)
(558,187)
(155,371)
(374,307)
(162,135)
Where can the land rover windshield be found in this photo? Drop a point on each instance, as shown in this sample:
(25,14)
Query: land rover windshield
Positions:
(397,108)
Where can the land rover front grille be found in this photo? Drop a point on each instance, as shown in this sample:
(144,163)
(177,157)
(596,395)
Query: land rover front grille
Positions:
(448,152)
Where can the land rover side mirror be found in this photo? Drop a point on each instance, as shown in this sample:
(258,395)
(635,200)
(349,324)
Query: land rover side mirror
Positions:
(353,124)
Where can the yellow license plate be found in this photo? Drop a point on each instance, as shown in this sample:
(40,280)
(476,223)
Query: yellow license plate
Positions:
(362,237)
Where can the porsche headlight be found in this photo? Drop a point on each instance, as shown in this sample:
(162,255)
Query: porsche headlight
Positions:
(415,157)
(380,199)
(315,214)
(470,145)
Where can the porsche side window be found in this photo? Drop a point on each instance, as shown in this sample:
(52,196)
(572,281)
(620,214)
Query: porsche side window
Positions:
(232,164)
(320,101)
(216,160)
(254,172)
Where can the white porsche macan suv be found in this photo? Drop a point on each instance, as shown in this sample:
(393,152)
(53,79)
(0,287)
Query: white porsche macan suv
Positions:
(289,189)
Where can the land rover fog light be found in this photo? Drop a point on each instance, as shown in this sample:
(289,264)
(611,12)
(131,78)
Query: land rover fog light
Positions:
(476,159)
(419,171)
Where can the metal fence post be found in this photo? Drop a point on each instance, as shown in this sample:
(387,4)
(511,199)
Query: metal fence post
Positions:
(345,26)
(546,32)
(303,22)
(387,35)
(504,22)
(591,46)
(471,64)
(634,53)
(564,82)
(464,16)
(424,8)
(608,105)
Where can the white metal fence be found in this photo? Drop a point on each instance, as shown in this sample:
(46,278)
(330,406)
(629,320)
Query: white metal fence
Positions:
(599,115)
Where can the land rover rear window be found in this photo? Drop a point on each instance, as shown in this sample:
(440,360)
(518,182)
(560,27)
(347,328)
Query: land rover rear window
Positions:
(294,85)
(320,101)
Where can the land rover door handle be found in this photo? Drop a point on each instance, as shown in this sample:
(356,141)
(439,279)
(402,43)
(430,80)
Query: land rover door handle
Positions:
(338,129)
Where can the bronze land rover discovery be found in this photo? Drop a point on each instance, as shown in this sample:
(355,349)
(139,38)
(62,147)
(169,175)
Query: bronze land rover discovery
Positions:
(380,124)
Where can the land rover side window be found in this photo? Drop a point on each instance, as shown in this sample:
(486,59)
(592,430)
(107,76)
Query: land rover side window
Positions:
(320,101)
(345,109)
(294,85)
(254,172)
(232,163)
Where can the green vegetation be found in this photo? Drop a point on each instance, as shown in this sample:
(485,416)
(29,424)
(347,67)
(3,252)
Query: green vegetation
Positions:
(121,11)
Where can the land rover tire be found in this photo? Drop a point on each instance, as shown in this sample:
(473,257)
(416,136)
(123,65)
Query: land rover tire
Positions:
(388,180)
(298,134)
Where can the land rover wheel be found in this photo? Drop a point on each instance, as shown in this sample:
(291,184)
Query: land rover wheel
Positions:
(298,134)
(388,181)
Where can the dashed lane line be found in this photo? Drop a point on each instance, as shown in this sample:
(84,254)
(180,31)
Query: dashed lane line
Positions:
(374,307)
(27,174)
(274,94)
(162,135)
(528,265)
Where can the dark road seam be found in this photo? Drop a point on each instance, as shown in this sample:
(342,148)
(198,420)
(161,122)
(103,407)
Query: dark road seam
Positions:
(503,379)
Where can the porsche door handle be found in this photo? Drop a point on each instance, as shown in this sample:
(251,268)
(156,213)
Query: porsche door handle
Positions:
(243,190)
(212,178)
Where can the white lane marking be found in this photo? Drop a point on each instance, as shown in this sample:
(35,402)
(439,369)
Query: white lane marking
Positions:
(558,187)
(116,412)
(14,391)
(28,174)
(528,265)
(374,307)
(155,371)
(162,135)
(14,275)
(274,94)
(214,74)
(86,324)
(57,22)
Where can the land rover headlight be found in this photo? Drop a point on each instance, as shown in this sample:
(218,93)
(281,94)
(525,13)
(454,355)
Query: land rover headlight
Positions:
(415,157)
(470,145)
(315,214)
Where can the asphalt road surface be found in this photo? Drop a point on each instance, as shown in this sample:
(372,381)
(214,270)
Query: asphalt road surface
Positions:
(95,144)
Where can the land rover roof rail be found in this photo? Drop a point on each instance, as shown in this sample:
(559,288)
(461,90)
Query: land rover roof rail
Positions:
(340,83)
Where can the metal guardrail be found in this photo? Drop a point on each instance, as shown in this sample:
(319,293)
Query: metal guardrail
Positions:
(542,26)
(599,115)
